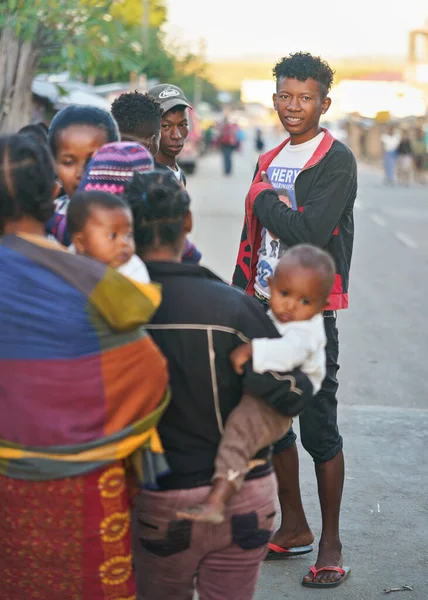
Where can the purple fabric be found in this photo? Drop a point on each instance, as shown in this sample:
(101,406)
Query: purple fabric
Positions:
(191,254)
(113,165)
(173,558)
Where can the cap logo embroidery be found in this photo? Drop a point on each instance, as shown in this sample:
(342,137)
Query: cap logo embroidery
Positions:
(168,92)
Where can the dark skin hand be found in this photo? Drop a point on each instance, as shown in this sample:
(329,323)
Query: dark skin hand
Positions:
(240,356)
(285,199)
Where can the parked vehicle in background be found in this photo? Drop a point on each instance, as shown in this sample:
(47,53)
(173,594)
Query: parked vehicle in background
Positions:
(192,150)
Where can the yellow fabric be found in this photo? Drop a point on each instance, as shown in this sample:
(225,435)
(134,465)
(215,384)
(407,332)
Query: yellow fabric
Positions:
(138,302)
(151,290)
(110,452)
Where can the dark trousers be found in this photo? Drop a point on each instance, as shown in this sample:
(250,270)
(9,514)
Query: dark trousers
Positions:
(227,152)
(319,432)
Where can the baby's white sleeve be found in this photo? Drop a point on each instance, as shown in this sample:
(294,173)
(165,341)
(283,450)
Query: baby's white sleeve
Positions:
(135,269)
(282,354)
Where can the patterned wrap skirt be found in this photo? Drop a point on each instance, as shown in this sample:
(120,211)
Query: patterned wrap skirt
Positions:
(67,539)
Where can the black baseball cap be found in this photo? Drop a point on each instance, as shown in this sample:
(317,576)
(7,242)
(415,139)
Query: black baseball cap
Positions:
(169,96)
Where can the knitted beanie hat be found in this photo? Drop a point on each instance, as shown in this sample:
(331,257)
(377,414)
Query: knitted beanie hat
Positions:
(113,166)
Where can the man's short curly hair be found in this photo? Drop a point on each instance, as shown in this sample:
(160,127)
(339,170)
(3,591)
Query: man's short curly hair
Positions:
(302,66)
(137,114)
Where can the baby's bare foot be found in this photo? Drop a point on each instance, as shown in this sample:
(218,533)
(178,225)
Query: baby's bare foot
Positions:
(204,513)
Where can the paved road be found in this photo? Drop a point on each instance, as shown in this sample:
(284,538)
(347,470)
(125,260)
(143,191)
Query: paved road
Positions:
(383,382)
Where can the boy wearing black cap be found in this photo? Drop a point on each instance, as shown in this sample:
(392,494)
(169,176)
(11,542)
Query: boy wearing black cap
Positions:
(174,126)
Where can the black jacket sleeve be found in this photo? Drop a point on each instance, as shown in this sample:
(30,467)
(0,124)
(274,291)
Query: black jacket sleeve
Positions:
(256,171)
(288,393)
(327,200)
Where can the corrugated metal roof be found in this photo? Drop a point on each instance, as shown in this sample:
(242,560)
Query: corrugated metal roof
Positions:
(75,93)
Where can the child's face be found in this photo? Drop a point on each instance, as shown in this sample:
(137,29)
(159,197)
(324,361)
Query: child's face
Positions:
(107,236)
(75,147)
(296,293)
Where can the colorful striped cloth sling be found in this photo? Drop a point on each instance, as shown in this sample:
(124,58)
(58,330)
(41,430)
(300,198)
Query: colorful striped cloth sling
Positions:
(81,382)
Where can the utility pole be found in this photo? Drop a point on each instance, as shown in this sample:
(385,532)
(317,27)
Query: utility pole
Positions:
(146,27)
(197,89)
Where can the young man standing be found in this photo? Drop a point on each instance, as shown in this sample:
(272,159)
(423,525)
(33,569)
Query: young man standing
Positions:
(304,191)
(174,127)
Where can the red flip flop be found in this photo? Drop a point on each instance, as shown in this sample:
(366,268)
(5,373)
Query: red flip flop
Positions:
(278,553)
(345,572)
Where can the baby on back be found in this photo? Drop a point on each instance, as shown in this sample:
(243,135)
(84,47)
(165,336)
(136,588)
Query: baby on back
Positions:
(101,226)
(99,221)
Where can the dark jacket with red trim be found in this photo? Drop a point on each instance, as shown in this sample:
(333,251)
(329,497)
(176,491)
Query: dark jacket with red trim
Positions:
(325,192)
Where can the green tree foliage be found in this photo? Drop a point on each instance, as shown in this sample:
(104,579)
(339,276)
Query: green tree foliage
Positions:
(81,35)
(191,74)
(100,40)
(131,12)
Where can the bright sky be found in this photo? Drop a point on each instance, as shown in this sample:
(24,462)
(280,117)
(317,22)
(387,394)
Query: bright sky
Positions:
(335,28)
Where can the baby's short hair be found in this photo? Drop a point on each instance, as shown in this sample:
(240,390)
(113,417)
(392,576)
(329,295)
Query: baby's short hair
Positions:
(314,258)
(79,209)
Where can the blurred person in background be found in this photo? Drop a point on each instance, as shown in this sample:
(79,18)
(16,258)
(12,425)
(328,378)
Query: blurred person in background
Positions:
(259,141)
(259,144)
(228,143)
(404,159)
(240,137)
(174,127)
(390,142)
(363,142)
(419,152)
(209,138)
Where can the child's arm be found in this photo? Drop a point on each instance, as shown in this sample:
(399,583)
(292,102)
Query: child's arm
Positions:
(282,354)
(135,269)
(240,356)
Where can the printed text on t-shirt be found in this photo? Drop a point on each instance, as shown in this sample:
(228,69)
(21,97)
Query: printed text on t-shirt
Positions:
(284,178)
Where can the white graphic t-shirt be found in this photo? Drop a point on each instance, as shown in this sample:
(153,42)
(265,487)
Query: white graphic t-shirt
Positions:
(282,173)
(178,174)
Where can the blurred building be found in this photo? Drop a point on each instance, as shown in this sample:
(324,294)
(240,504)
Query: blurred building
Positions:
(417,67)
(51,93)
(257,91)
(368,98)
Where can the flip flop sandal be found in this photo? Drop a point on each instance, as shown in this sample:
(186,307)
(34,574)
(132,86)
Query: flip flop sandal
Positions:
(345,572)
(278,553)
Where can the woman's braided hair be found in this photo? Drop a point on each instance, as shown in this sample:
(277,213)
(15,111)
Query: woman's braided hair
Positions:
(159,206)
(27,179)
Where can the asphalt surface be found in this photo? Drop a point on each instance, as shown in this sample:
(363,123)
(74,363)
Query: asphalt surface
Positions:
(383,393)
